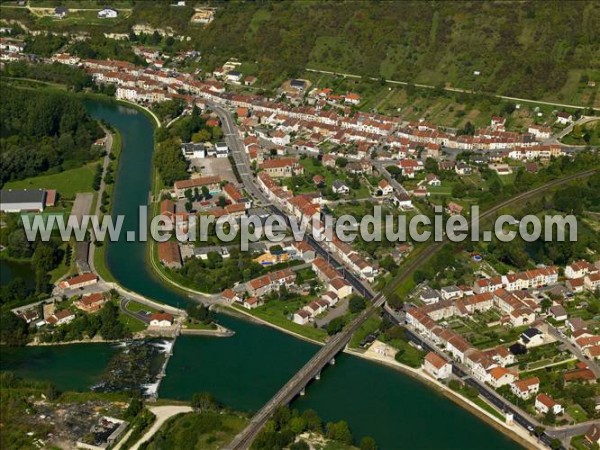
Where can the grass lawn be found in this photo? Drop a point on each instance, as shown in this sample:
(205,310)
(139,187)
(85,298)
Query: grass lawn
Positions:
(200,326)
(198,430)
(67,183)
(370,325)
(577,413)
(100,264)
(440,190)
(62,269)
(137,307)
(133,325)
(489,408)
(276,311)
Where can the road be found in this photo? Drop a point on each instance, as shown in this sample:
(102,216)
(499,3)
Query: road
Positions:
(108,146)
(592,364)
(135,315)
(581,121)
(162,413)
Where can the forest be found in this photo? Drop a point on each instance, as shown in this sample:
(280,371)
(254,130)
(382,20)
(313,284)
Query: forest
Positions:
(40,131)
(523,49)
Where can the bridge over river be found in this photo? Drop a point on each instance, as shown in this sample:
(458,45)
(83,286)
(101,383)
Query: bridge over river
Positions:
(311,370)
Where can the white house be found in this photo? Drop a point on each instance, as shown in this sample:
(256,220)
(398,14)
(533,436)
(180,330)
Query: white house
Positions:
(564,118)
(524,389)
(499,376)
(251,302)
(544,403)
(385,187)
(107,13)
(161,319)
(339,187)
(531,337)
(61,318)
(301,317)
(437,366)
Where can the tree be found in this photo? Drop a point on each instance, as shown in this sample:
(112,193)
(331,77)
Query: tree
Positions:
(339,431)
(459,190)
(545,304)
(135,407)
(368,443)
(335,326)
(356,304)
(313,421)
(205,402)
(14,329)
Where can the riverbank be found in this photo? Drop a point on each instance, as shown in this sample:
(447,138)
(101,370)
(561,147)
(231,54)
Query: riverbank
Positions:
(516,433)
(236,312)
(94,340)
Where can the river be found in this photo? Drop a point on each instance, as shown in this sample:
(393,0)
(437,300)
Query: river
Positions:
(244,371)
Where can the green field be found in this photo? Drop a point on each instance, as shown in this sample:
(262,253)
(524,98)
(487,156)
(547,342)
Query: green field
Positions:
(67,183)
(275,312)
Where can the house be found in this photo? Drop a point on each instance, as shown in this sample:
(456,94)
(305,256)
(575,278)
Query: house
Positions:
(454,208)
(578,269)
(402,200)
(193,150)
(558,312)
(211,182)
(304,251)
(60,318)
(592,281)
(230,296)
(107,13)
(449,292)
(91,302)
(463,169)
(524,389)
(429,296)
(352,98)
(564,118)
(340,287)
(433,180)
(575,324)
(319,181)
(299,85)
(544,403)
(282,167)
(169,254)
(17,200)
(60,12)
(385,187)
(437,366)
(252,302)
(161,319)
(86,279)
(301,317)
(592,435)
(531,337)
(338,187)
(576,285)
(234,76)
(499,376)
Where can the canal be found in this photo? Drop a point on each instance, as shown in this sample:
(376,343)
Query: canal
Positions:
(244,371)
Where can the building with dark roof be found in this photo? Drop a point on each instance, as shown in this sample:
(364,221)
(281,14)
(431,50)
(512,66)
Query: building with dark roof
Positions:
(17,200)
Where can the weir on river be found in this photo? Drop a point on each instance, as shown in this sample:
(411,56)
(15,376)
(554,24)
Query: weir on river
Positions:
(245,370)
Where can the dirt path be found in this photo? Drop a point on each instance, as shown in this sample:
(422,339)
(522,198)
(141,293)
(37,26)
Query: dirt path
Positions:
(162,413)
